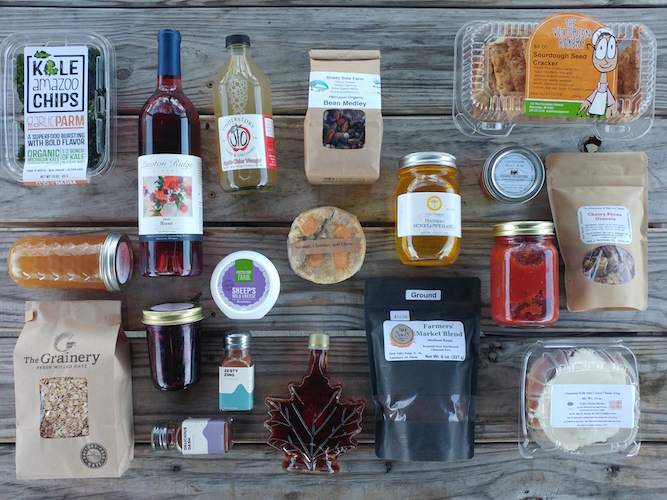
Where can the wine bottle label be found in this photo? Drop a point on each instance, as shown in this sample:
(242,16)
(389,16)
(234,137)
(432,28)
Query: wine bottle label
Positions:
(56,111)
(170,198)
(237,385)
(204,436)
(246,141)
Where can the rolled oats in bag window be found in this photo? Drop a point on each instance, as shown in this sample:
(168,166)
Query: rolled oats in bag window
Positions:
(599,204)
(73,391)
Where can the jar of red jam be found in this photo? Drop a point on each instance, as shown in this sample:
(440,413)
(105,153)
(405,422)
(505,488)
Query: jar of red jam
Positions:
(524,274)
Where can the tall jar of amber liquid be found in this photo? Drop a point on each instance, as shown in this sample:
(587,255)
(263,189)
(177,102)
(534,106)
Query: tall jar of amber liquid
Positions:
(428,210)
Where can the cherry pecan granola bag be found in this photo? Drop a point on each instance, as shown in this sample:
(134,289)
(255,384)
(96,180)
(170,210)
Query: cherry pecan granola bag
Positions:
(73,391)
(599,204)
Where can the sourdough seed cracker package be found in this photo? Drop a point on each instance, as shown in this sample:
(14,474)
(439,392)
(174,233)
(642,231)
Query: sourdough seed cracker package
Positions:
(73,384)
(343,126)
(599,203)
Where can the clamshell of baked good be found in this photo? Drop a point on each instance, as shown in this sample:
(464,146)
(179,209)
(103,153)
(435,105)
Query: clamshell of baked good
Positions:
(549,72)
(326,245)
(579,397)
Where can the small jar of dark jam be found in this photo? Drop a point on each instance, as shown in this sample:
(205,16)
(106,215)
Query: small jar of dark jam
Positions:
(173,332)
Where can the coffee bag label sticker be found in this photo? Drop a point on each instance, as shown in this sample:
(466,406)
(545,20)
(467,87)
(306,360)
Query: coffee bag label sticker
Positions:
(339,90)
(605,224)
(435,340)
(593,405)
(399,315)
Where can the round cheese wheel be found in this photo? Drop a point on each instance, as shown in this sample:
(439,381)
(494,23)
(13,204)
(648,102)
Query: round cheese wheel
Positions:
(326,245)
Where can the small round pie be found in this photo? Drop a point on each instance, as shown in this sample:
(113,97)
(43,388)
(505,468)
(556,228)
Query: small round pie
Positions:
(326,245)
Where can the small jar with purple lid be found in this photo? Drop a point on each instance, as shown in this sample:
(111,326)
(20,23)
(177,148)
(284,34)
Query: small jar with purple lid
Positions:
(173,331)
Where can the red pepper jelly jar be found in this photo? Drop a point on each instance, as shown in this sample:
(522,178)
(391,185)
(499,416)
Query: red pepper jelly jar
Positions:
(524,274)
(173,332)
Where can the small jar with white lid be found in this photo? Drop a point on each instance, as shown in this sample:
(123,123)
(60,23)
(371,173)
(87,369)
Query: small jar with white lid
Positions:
(513,175)
(245,285)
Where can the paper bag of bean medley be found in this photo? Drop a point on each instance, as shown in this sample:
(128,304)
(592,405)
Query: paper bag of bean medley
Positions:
(599,204)
(343,126)
(73,391)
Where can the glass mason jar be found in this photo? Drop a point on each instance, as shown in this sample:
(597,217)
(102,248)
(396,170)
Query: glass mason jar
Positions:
(173,333)
(428,210)
(524,274)
(94,262)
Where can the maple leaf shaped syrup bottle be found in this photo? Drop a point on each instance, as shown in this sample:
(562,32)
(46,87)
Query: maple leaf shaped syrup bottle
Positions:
(313,426)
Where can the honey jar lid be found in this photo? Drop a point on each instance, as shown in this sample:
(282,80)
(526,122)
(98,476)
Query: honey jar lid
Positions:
(116,262)
(177,313)
(318,341)
(523,228)
(427,158)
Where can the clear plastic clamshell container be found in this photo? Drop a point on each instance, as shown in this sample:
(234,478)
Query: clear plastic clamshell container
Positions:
(58,107)
(502,80)
(579,397)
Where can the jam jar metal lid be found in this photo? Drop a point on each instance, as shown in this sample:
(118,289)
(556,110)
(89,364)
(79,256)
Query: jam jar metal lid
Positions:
(513,174)
(427,158)
(176,313)
(116,262)
(523,228)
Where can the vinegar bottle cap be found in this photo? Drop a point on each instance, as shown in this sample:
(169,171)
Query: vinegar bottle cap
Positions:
(234,39)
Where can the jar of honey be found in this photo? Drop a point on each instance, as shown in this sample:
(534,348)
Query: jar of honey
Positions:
(524,274)
(98,262)
(428,210)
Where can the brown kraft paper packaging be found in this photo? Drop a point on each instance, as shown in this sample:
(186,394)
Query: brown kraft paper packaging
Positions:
(73,384)
(599,203)
(343,125)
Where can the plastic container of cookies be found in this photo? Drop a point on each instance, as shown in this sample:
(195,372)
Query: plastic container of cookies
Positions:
(510,72)
(579,397)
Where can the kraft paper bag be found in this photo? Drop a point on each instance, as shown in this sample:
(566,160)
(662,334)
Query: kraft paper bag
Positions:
(599,203)
(73,384)
(343,125)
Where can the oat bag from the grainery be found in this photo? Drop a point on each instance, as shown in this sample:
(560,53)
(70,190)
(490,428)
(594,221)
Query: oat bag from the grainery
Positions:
(343,125)
(73,385)
(599,203)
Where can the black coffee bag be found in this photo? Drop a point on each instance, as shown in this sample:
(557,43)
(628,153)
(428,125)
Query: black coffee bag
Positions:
(423,349)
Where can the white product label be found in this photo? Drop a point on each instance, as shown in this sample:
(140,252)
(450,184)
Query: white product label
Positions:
(598,224)
(399,315)
(514,175)
(434,340)
(232,377)
(56,115)
(335,89)
(428,214)
(593,405)
(170,197)
(423,294)
(203,436)
(123,267)
(246,141)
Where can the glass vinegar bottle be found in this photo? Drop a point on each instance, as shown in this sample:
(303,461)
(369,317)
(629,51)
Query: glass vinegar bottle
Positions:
(244,118)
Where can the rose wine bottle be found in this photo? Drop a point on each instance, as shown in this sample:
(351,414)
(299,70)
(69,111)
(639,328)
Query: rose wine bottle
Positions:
(170,172)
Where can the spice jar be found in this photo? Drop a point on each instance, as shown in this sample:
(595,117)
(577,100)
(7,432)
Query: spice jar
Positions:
(99,262)
(428,210)
(237,373)
(194,436)
(524,274)
(173,332)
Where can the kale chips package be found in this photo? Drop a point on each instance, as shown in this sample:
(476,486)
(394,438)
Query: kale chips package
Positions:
(423,347)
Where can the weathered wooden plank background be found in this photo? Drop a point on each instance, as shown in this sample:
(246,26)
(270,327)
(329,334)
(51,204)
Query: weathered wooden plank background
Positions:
(417,43)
